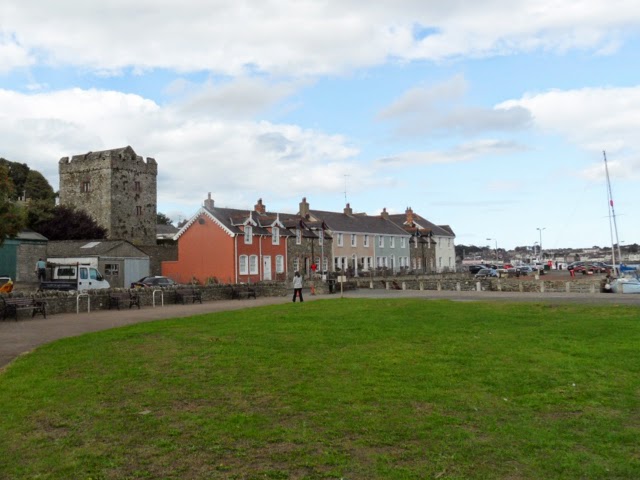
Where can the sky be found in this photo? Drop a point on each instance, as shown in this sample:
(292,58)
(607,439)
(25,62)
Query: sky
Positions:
(490,116)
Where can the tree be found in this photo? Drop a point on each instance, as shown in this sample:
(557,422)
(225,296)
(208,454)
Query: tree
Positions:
(162,219)
(67,223)
(18,173)
(12,219)
(37,187)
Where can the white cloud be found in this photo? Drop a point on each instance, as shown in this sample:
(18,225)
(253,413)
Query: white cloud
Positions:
(594,119)
(440,108)
(461,153)
(304,37)
(195,155)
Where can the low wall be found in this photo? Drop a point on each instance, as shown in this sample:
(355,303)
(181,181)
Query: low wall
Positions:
(67,302)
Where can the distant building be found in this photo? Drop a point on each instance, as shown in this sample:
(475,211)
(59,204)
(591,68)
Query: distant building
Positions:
(117,188)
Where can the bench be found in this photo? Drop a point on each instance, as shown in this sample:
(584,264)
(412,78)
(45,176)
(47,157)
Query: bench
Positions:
(118,298)
(240,291)
(11,306)
(184,294)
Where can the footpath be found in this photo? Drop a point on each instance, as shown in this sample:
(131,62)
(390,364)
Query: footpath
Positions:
(17,338)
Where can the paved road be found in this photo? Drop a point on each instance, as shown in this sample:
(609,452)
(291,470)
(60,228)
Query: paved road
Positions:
(23,336)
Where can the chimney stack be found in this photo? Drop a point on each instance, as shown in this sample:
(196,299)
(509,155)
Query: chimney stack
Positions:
(208,203)
(347,210)
(384,214)
(304,208)
(259,207)
(409,213)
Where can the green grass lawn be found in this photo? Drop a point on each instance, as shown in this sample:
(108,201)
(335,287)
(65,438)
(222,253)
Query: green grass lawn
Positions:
(354,389)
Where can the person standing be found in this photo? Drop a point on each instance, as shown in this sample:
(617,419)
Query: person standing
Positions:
(297,287)
(41,270)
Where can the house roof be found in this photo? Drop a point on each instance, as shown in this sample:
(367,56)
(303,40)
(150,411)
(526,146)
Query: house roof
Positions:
(423,224)
(30,235)
(166,230)
(357,223)
(231,220)
(92,248)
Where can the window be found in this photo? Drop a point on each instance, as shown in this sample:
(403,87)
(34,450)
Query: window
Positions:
(84,188)
(381,241)
(298,236)
(353,240)
(325,264)
(392,242)
(339,239)
(279,264)
(253,265)
(112,269)
(248,234)
(403,242)
(138,210)
(137,187)
(84,275)
(275,236)
(366,241)
(243,265)
(321,238)
(296,264)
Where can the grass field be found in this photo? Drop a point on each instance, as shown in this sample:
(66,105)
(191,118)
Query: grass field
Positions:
(354,389)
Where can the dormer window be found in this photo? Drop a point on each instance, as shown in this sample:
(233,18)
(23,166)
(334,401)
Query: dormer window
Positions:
(275,236)
(248,234)
(298,236)
(321,238)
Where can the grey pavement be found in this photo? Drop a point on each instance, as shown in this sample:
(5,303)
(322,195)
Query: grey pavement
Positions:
(17,338)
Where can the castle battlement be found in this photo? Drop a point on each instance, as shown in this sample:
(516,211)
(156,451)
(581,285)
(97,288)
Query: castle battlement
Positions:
(119,158)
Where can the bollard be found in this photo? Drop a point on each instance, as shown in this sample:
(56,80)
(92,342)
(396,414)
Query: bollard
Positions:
(404,286)
(458,286)
(439,286)
(478,287)
(567,287)
(421,285)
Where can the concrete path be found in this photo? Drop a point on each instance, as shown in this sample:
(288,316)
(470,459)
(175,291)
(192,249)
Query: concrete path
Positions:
(23,336)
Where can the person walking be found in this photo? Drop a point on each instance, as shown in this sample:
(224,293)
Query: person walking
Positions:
(297,287)
(41,270)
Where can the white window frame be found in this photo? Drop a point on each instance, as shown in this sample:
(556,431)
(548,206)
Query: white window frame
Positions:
(321,238)
(354,240)
(248,234)
(253,265)
(279,264)
(275,236)
(296,264)
(380,241)
(365,242)
(392,242)
(340,239)
(243,265)
(298,236)
(403,242)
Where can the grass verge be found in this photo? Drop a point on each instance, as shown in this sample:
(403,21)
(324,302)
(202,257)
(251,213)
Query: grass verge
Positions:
(357,389)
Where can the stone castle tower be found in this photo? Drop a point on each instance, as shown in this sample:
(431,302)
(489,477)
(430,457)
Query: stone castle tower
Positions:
(117,188)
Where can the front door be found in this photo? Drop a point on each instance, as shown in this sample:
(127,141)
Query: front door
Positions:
(266,267)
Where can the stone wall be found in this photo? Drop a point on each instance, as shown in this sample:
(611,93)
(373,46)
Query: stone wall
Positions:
(28,255)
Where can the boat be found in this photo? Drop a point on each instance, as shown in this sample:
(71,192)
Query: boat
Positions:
(628,283)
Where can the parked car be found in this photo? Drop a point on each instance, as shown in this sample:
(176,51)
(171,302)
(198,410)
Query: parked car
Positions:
(589,268)
(473,269)
(486,273)
(153,281)
(525,269)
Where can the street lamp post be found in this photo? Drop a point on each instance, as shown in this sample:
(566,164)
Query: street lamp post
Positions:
(540,230)
(496,251)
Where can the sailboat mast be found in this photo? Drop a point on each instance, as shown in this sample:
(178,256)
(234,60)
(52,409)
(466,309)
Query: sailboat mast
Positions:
(613,213)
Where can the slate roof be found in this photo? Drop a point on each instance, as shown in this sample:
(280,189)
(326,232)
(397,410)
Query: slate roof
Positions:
(232,219)
(357,223)
(89,248)
(424,225)
(30,235)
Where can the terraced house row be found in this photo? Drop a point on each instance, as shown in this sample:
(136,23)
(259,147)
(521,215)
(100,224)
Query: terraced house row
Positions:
(247,246)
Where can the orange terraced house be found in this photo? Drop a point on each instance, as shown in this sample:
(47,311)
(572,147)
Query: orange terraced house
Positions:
(230,246)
